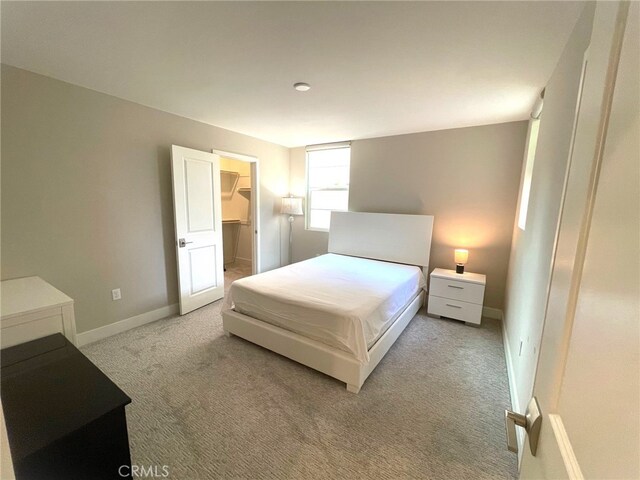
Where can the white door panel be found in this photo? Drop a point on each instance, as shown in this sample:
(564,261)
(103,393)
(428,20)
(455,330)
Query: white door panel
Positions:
(198,224)
(200,193)
(587,375)
(202,261)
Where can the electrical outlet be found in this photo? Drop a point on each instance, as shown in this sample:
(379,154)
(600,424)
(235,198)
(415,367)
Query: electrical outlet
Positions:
(115,294)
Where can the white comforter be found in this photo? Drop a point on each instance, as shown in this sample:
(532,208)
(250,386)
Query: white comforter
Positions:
(345,302)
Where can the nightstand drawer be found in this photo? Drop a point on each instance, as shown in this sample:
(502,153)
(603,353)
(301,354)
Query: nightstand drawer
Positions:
(463,291)
(445,307)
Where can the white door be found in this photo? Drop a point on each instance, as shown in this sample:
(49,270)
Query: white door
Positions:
(198,223)
(587,381)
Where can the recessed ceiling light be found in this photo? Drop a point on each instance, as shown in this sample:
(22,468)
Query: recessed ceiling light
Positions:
(301,86)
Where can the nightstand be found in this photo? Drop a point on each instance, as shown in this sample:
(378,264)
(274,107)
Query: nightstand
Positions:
(65,418)
(457,295)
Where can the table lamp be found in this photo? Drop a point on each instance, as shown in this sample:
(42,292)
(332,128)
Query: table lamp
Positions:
(461,257)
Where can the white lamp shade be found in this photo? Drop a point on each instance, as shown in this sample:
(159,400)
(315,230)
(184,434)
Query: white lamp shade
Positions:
(291,205)
(461,256)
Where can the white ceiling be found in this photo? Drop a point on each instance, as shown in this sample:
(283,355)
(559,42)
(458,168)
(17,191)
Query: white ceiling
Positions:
(376,68)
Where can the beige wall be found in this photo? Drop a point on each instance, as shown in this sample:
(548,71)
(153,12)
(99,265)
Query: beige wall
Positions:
(467,178)
(86,194)
(532,252)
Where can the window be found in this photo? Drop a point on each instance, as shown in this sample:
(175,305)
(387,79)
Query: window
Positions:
(532,141)
(327,183)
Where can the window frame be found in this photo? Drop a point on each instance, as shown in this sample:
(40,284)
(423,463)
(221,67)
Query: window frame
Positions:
(307,203)
(527,173)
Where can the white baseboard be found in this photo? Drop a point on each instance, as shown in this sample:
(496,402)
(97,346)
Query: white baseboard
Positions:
(513,389)
(246,261)
(491,312)
(510,371)
(99,333)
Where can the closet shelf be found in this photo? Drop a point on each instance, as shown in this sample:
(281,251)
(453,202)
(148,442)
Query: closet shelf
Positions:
(231,220)
(228,182)
(245,192)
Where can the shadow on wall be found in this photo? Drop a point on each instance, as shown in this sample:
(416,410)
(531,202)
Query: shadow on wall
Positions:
(165,200)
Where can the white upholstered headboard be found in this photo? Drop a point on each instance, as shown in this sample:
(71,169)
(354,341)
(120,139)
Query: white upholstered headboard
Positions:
(382,236)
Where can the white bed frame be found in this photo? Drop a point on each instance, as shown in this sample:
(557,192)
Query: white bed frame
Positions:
(380,236)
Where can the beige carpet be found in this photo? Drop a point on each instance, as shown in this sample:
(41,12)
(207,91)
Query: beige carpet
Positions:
(212,407)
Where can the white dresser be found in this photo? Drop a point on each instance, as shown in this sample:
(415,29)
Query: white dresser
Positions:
(457,295)
(31,308)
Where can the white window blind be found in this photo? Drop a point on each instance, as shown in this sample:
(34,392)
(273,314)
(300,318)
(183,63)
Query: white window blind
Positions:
(327,183)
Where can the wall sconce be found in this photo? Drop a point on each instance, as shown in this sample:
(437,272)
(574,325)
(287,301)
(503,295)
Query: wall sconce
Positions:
(291,206)
(461,257)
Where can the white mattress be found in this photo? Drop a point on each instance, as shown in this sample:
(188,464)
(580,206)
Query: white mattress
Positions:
(344,302)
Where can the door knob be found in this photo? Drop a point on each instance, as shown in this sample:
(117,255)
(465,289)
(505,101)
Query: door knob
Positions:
(182,242)
(530,421)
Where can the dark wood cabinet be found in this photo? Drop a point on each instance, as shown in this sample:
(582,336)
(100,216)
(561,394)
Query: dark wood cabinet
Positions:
(65,418)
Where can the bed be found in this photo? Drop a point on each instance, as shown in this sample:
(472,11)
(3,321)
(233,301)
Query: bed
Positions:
(341,312)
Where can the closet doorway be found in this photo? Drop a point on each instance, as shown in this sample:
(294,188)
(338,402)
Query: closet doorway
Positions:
(240,217)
